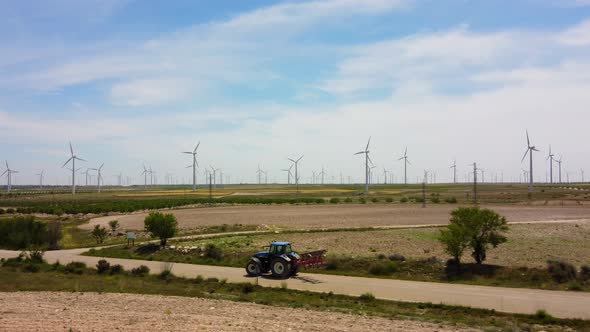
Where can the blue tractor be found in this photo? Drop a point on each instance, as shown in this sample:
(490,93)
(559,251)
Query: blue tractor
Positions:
(281,261)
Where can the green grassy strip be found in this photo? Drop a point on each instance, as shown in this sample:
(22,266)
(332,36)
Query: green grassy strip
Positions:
(55,278)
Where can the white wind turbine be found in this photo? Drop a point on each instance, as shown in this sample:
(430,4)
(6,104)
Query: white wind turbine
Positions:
(406,162)
(296,162)
(454,167)
(288,170)
(145,174)
(367,169)
(87,174)
(40,175)
(214,175)
(551,160)
(194,165)
(98,176)
(8,173)
(559,164)
(73,159)
(530,148)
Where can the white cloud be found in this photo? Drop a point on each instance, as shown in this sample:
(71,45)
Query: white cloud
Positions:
(148,92)
(578,35)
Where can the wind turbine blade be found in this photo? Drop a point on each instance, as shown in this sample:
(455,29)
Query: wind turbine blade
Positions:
(359,152)
(291,160)
(195,151)
(186,152)
(300,158)
(189,166)
(71,149)
(368,142)
(64,165)
(6,171)
(527,151)
(80,159)
(408,161)
(400,158)
(196,163)
(528,142)
(406,152)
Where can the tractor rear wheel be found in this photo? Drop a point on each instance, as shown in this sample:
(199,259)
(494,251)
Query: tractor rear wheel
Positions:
(253,269)
(280,268)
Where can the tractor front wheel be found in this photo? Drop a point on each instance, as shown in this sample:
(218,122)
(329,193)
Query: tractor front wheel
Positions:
(253,269)
(280,268)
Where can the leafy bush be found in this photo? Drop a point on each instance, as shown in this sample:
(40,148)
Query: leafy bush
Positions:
(114,225)
(348,200)
(75,268)
(99,233)
(247,288)
(397,258)
(140,271)
(367,297)
(382,269)
(451,200)
(585,273)
(363,200)
(22,232)
(102,266)
(389,200)
(375,200)
(403,200)
(116,269)
(334,200)
(435,200)
(212,251)
(165,275)
(53,235)
(561,271)
(163,226)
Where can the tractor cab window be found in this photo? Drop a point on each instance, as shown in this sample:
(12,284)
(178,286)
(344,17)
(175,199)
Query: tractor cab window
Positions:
(280,250)
(287,249)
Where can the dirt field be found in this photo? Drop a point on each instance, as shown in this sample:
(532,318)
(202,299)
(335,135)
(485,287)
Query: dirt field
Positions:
(47,311)
(528,245)
(339,216)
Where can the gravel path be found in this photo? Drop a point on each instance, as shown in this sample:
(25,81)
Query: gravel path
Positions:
(48,311)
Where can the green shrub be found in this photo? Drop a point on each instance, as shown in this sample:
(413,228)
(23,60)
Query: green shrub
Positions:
(561,271)
(585,273)
(22,232)
(348,200)
(99,233)
(163,226)
(75,268)
(375,200)
(165,275)
(334,200)
(389,200)
(403,200)
(435,200)
(397,258)
(114,225)
(367,297)
(116,269)
(382,269)
(102,266)
(213,252)
(363,200)
(140,271)
(247,288)
(451,200)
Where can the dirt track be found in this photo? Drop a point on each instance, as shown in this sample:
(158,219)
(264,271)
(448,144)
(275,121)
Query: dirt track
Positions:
(45,311)
(339,216)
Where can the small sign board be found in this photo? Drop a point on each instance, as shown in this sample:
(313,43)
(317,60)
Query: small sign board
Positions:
(131,238)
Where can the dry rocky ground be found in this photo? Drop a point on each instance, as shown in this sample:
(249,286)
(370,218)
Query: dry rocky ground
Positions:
(340,216)
(49,311)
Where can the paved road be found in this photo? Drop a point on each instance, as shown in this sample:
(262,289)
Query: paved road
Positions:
(516,300)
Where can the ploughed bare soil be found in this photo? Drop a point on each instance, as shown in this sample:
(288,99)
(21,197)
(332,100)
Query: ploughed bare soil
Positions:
(340,216)
(51,311)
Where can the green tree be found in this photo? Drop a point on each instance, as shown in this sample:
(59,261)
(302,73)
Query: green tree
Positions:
(114,224)
(161,225)
(476,228)
(99,233)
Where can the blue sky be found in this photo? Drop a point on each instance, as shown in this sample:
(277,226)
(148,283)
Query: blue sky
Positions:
(133,82)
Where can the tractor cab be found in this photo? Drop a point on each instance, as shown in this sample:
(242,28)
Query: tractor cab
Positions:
(280,248)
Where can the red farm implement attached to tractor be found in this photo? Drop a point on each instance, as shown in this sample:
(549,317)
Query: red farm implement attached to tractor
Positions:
(282,262)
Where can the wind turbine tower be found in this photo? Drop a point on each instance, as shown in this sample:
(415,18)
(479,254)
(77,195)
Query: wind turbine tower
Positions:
(40,175)
(367,169)
(98,177)
(73,159)
(551,159)
(296,162)
(454,167)
(530,148)
(194,165)
(288,170)
(559,164)
(406,162)
(8,173)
